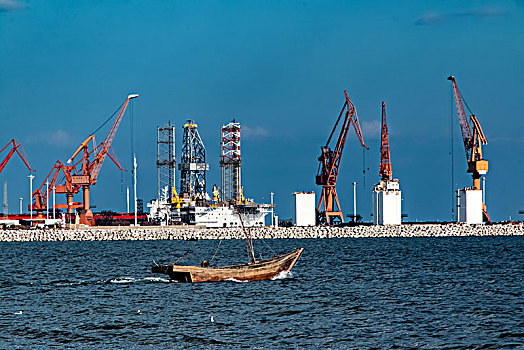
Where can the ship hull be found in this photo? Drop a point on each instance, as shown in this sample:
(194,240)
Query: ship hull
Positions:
(260,270)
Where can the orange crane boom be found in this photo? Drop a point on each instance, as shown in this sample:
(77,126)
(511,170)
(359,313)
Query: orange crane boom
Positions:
(473,142)
(385,170)
(15,146)
(330,164)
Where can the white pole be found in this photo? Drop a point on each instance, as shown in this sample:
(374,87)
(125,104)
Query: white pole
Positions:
(134,167)
(21,199)
(31,177)
(458,205)
(47,198)
(272,211)
(354,202)
(54,192)
(127,199)
(484,190)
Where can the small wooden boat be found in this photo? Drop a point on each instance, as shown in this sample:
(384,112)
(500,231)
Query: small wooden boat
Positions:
(259,270)
(253,271)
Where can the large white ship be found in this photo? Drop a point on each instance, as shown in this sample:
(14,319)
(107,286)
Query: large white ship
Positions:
(253,215)
(165,212)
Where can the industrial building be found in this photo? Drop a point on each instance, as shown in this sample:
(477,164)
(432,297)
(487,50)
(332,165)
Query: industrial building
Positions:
(304,209)
(469,206)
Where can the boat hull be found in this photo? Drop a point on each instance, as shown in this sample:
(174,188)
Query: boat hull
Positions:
(260,270)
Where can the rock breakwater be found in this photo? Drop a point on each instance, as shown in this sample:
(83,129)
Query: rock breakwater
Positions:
(190,233)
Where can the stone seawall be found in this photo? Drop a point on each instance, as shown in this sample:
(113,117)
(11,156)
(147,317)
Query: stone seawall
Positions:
(171,233)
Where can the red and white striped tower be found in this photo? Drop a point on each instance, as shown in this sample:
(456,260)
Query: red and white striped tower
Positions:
(230,162)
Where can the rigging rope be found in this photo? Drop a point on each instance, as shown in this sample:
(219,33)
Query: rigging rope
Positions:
(268,246)
(108,119)
(452,154)
(216,251)
(463,100)
(187,251)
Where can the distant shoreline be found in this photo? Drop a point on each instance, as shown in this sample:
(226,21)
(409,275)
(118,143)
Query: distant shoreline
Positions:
(192,233)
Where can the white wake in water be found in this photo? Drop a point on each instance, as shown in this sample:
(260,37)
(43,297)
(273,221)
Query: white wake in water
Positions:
(123,280)
(282,275)
(235,280)
(157,279)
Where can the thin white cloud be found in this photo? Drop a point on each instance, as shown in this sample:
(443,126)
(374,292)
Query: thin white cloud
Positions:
(252,132)
(60,138)
(10,5)
(440,17)
(370,129)
(56,138)
(507,139)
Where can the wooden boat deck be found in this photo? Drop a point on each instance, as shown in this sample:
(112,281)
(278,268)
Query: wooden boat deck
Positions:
(260,270)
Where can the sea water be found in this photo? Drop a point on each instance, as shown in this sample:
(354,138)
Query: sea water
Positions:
(342,293)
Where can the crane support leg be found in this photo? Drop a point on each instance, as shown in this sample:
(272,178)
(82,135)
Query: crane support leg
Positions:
(485,213)
(476,181)
(86,216)
(69,198)
(332,213)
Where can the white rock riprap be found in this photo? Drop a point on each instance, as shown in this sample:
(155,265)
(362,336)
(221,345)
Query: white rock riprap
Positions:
(177,233)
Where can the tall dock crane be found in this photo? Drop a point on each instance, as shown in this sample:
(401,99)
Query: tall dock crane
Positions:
(387,197)
(473,142)
(385,170)
(15,147)
(330,164)
(86,176)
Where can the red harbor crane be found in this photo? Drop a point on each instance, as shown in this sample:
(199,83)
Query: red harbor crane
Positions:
(330,164)
(473,142)
(385,171)
(86,176)
(15,147)
(40,195)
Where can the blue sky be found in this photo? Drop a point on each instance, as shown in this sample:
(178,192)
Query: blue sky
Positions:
(280,68)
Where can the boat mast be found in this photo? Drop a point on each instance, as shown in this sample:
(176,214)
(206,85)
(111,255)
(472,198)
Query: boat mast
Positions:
(249,240)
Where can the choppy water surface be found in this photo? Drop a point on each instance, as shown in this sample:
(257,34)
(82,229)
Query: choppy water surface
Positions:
(343,293)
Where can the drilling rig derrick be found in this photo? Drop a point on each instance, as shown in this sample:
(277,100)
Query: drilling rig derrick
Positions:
(230,162)
(193,164)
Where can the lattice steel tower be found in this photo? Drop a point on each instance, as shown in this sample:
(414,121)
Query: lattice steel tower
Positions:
(166,161)
(230,161)
(193,164)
